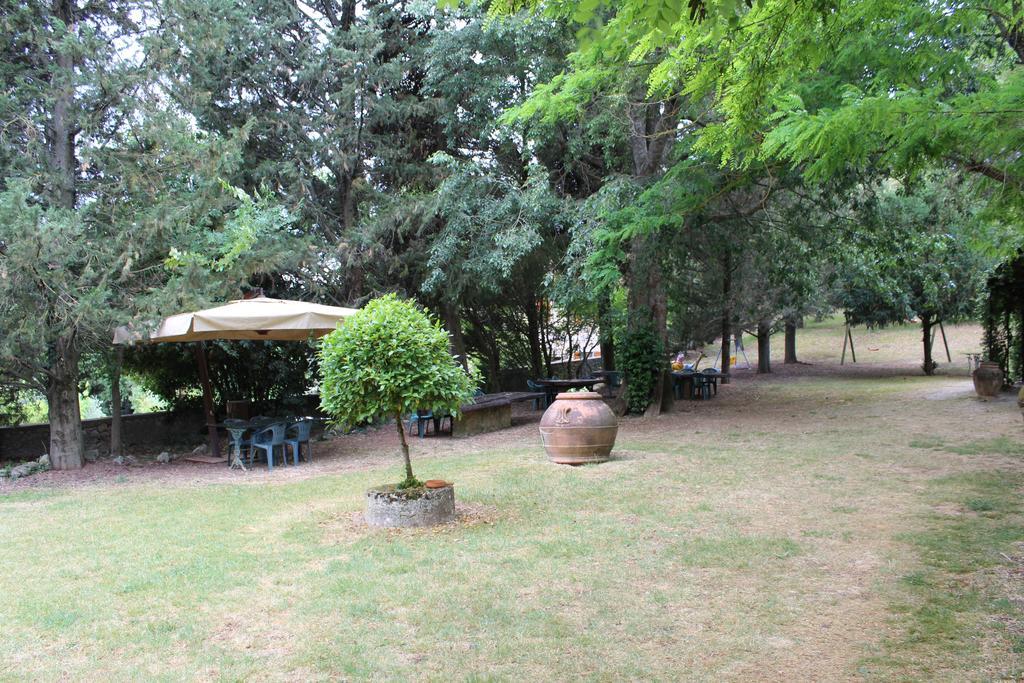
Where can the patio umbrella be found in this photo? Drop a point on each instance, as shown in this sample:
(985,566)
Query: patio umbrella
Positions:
(258,318)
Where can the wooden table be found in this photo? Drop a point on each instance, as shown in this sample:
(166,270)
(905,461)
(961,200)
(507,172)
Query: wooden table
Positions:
(552,387)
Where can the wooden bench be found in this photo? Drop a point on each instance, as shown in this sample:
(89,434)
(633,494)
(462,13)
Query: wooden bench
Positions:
(520,396)
(488,413)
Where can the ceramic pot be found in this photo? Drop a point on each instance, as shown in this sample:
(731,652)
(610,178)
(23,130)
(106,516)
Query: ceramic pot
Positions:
(988,379)
(578,428)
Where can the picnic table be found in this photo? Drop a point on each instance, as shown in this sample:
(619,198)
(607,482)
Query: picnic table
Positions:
(692,385)
(552,387)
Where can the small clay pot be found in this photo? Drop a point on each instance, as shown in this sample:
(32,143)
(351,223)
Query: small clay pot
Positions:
(436,483)
(578,428)
(988,379)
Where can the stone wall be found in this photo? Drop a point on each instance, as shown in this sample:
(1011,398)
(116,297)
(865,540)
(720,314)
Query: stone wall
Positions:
(144,430)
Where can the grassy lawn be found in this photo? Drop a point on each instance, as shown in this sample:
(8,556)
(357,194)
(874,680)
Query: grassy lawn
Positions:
(829,526)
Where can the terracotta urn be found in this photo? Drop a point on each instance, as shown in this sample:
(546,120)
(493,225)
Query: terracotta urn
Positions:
(578,428)
(988,379)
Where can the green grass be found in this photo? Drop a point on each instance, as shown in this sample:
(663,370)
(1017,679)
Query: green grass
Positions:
(945,605)
(745,539)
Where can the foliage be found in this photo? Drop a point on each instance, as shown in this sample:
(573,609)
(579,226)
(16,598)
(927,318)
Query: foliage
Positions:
(390,358)
(102,186)
(910,259)
(822,86)
(641,356)
(266,373)
(1003,317)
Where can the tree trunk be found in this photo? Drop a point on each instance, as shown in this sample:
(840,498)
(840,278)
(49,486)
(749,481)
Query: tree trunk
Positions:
(208,413)
(62,386)
(493,368)
(66,447)
(454,324)
(533,332)
(605,341)
(791,325)
(926,338)
(647,301)
(405,446)
(726,364)
(61,127)
(646,286)
(115,403)
(545,338)
(764,347)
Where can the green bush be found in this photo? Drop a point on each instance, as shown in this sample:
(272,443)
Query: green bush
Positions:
(390,358)
(641,357)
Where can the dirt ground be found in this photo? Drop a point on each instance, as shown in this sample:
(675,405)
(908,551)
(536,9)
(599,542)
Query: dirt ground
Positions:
(742,402)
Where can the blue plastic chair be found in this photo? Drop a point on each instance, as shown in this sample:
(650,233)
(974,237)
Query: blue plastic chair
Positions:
(267,439)
(420,419)
(298,434)
(533,386)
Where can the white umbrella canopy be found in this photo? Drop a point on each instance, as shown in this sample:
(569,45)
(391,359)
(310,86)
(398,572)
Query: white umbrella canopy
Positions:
(259,318)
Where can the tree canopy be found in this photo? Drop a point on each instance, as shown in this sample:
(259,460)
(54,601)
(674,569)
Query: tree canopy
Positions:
(390,359)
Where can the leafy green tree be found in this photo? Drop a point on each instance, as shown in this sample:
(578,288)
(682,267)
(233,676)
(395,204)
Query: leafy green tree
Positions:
(333,93)
(910,259)
(896,83)
(111,207)
(390,359)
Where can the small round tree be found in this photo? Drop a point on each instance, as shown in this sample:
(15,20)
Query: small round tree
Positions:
(392,359)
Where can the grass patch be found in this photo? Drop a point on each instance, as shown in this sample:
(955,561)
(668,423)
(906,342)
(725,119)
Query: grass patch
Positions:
(1002,445)
(734,551)
(926,442)
(946,605)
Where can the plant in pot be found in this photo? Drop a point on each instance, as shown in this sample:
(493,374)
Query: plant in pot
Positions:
(392,359)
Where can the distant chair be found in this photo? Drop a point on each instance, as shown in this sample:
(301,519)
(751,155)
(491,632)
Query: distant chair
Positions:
(585,371)
(439,419)
(420,418)
(297,434)
(536,388)
(713,374)
(267,439)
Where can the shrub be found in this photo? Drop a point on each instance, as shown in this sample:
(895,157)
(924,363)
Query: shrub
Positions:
(390,358)
(642,358)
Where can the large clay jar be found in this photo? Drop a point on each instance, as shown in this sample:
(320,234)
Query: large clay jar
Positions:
(578,428)
(988,379)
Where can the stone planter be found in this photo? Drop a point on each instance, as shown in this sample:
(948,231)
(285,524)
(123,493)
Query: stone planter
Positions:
(578,428)
(388,507)
(988,379)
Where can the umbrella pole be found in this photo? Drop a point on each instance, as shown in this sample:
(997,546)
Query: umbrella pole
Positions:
(204,379)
